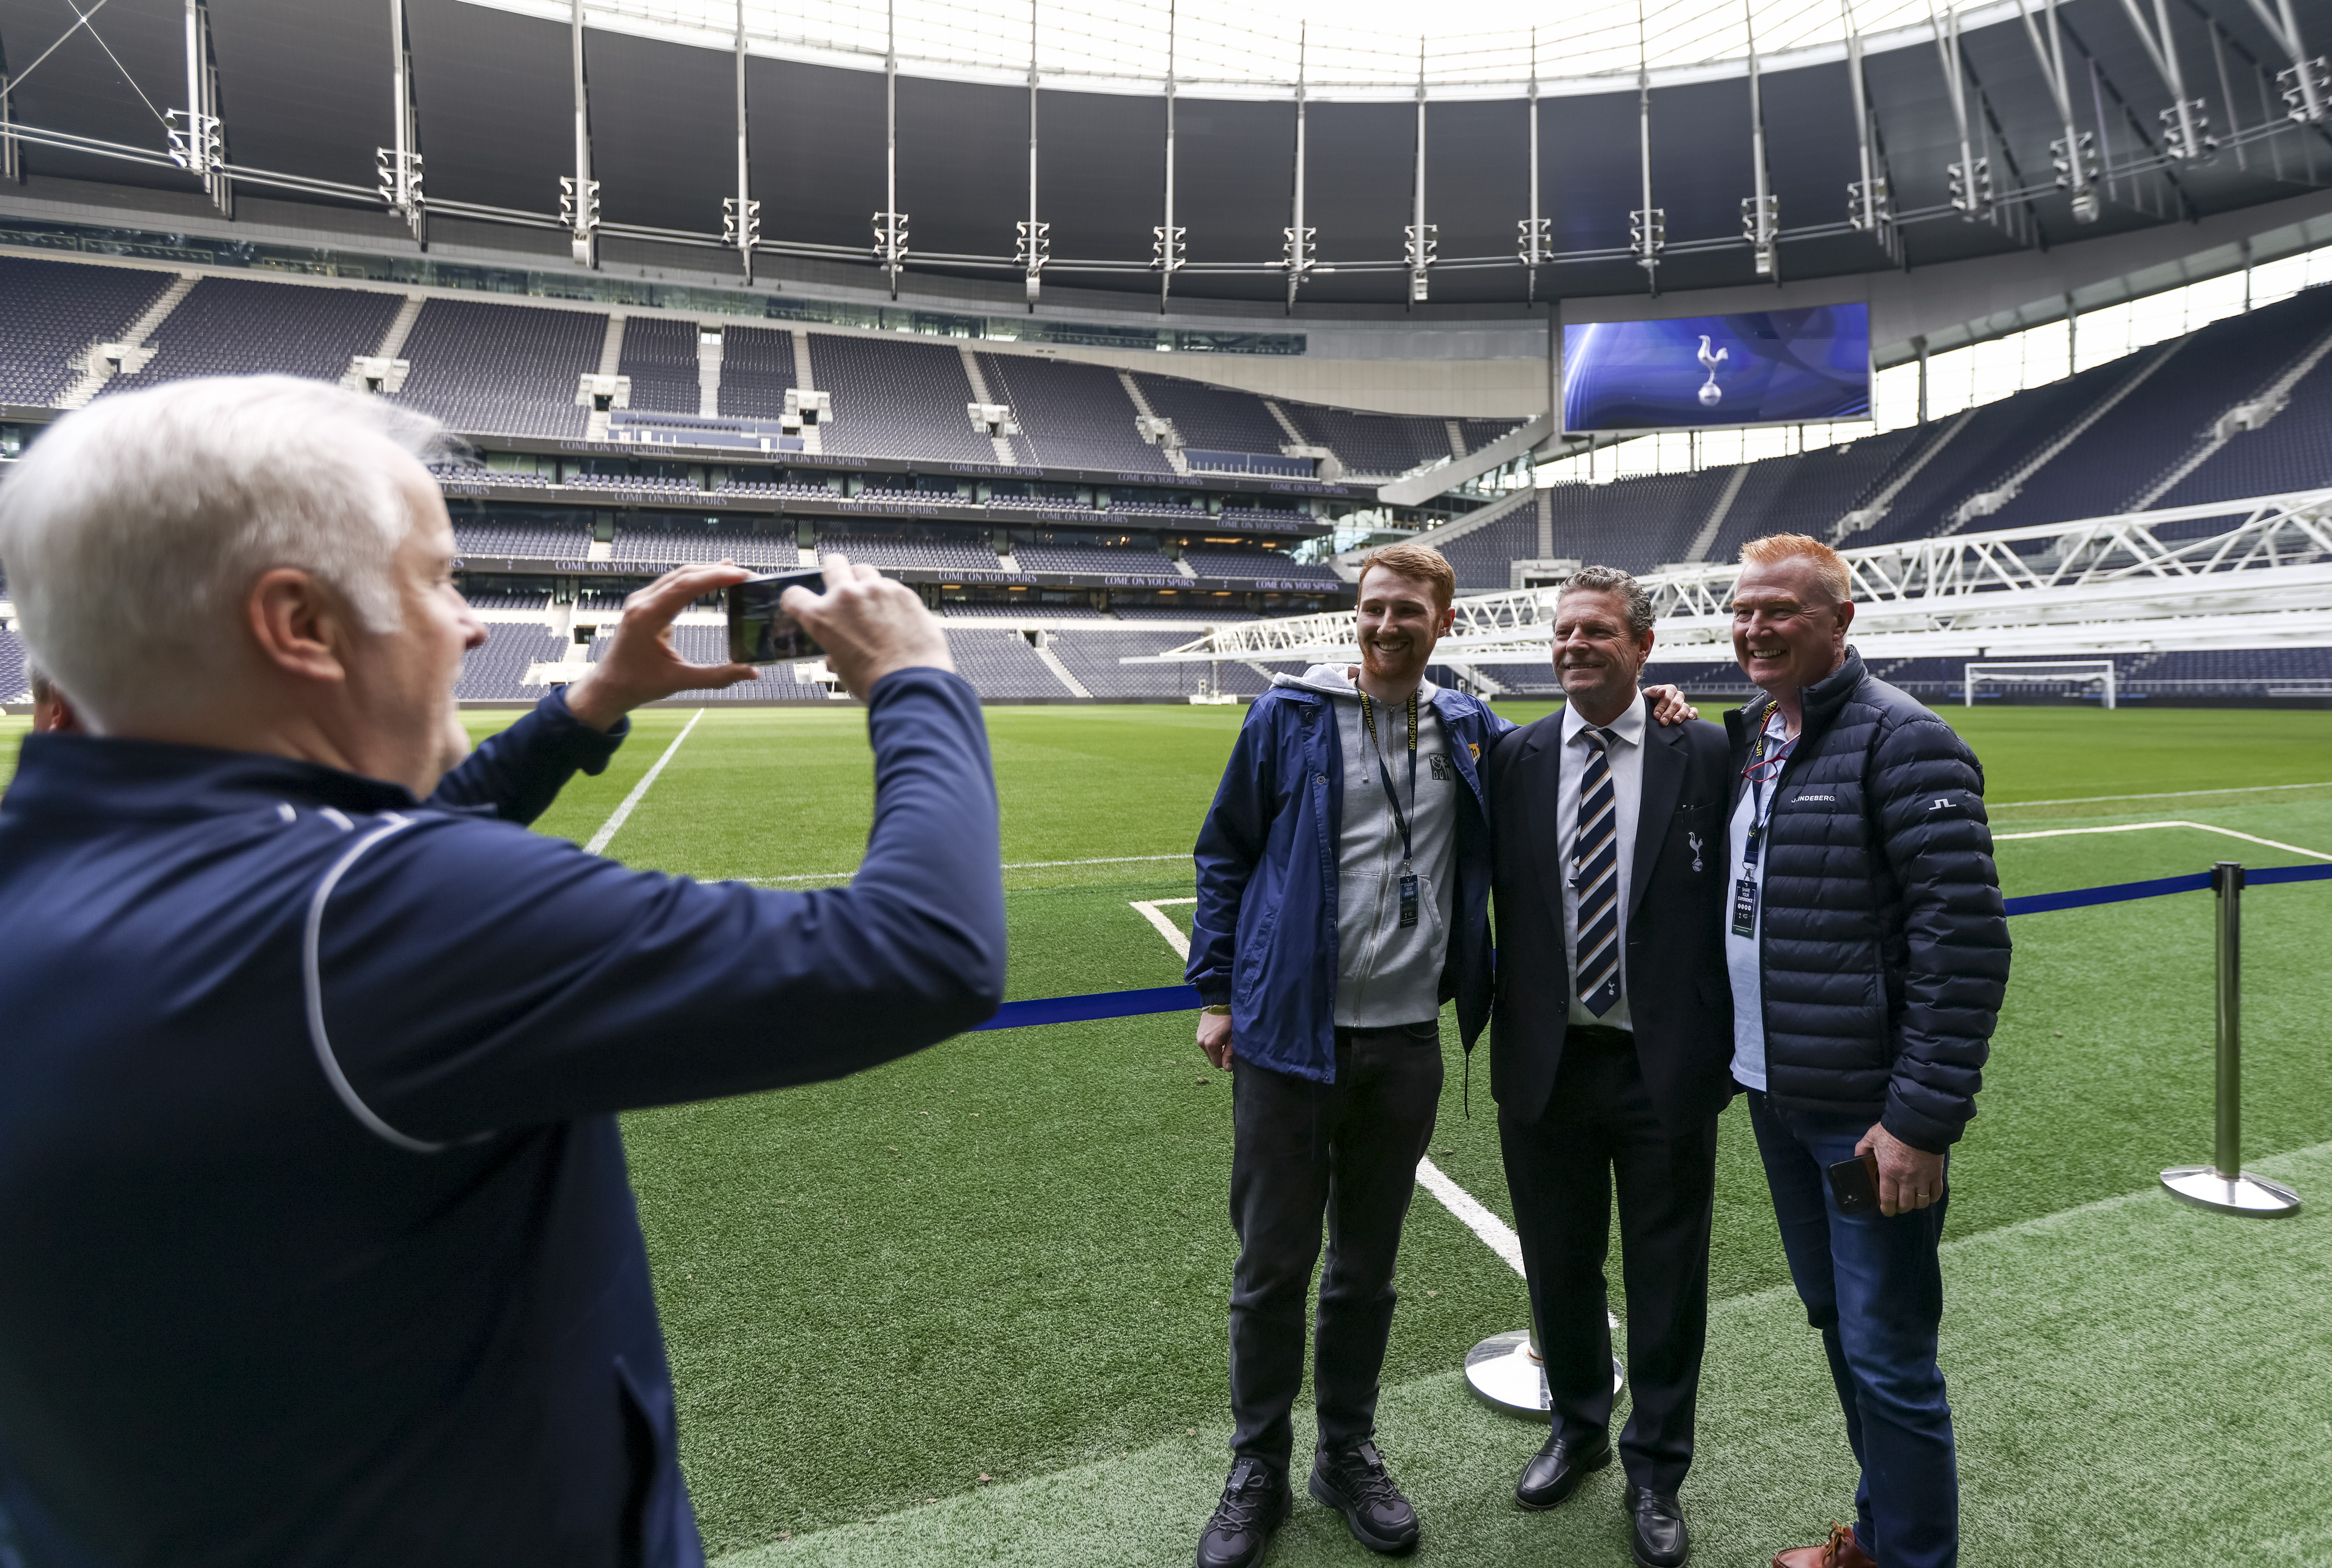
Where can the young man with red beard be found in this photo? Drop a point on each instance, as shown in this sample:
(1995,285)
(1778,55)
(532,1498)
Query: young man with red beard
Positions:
(1343,895)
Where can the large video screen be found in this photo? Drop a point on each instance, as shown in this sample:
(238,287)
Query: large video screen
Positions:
(1696,372)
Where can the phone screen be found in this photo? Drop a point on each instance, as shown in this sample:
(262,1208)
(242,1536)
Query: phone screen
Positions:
(759,632)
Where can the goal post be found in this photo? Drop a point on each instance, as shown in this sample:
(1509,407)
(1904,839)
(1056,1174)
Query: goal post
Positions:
(2035,672)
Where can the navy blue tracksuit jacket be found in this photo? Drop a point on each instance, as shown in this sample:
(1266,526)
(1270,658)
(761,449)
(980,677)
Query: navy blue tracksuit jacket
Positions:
(316,1243)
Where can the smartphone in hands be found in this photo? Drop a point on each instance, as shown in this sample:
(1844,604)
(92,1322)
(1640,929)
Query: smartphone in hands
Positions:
(1854,1184)
(759,630)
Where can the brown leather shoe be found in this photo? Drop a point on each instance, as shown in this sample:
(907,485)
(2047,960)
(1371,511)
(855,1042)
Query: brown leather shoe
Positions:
(1839,1552)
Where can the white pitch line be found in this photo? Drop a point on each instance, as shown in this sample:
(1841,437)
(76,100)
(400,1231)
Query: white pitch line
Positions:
(623,813)
(1007,865)
(1493,1231)
(2157,795)
(2142,827)
(1167,928)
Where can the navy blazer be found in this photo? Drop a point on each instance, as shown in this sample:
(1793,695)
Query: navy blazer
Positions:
(316,1243)
(1679,998)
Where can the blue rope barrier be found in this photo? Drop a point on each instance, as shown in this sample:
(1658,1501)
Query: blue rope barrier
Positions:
(1097,1005)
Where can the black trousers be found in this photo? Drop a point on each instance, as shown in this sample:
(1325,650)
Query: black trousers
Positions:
(1303,1152)
(1599,1123)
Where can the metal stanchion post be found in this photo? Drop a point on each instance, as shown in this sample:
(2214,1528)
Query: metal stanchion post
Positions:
(1507,1370)
(2222,1184)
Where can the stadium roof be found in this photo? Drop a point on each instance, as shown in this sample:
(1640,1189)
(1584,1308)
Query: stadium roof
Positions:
(1353,49)
(302,90)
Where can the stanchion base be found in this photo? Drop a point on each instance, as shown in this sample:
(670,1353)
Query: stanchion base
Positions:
(2205,1187)
(1502,1373)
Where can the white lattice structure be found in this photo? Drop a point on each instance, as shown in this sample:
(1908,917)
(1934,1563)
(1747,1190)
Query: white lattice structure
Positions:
(2101,585)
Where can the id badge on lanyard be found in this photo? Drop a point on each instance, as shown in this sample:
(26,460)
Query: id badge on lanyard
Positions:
(1745,889)
(1407,883)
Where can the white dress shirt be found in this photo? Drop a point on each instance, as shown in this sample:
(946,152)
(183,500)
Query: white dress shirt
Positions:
(1744,963)
(1625,753)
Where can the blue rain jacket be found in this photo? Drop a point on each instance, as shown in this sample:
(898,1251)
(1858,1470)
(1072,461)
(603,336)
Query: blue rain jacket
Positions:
(316,1241)
(1263,939)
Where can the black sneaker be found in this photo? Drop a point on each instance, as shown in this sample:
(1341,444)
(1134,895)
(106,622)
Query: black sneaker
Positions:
(1256,1502)
(1355,1485)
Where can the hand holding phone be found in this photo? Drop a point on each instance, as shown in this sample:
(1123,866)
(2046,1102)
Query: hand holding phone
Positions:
(1854,1184)
(868,625)
(760,629)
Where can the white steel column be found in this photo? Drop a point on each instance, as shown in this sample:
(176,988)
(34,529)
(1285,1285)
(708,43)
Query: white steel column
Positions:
(1532,255)
(891,224)
(578,202)
(741,215)
(1760,218)
(398,165)
(1422,240)
(2076,155)
(1035,247)
(1298,250)
(1167,248)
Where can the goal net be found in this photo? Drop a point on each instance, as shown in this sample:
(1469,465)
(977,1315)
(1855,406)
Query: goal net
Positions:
(2039,671)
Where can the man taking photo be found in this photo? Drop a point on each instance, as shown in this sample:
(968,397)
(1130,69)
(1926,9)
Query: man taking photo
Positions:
(1343,895)
(316,1243)
(1867,950)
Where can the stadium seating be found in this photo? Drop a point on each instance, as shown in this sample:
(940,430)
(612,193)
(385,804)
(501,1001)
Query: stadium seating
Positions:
(937,550)
(1070,416)
(757,368)
(1025,613)
(660,357)
(1222,561)
(1090,558)
(687,540)
(15,685)
(53,311)
(1378,444)
(1215,417)
(1003,665)
(1196,611)
(520,536)
(498,368)
(2170,414)
(896,400)
(1092,657)
(496,671)
(241,327)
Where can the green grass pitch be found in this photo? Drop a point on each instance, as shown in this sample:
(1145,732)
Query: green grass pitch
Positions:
(970,1307)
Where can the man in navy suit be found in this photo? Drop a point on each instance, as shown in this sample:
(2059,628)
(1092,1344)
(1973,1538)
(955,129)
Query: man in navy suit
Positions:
(1610,1043)
(316,1243)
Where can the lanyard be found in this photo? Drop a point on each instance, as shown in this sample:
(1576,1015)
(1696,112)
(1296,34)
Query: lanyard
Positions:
(1400,820)
(1761,809)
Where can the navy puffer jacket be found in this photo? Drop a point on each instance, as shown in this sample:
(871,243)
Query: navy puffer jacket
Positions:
(1885,941)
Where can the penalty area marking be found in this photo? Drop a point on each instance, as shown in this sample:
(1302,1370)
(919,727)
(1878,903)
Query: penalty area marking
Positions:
(1467,1209)
(2142,827)
(623,813)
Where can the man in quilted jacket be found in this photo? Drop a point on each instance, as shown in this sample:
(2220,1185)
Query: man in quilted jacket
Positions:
(1868,949)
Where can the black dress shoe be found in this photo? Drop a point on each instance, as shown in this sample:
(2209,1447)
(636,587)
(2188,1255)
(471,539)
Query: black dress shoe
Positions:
(1256,1502)
(1555,1471)
(1355,1485)
(1660,1539)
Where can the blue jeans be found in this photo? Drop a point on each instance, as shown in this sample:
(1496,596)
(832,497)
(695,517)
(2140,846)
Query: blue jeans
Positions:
(1874,1287)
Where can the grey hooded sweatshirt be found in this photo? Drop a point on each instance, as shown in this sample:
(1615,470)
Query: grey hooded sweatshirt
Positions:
(1387,974)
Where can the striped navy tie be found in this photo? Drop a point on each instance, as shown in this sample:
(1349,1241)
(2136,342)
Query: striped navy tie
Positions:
(1595,877)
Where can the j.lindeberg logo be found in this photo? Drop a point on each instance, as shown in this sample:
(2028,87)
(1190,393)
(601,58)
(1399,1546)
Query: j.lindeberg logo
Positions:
(1831,799)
